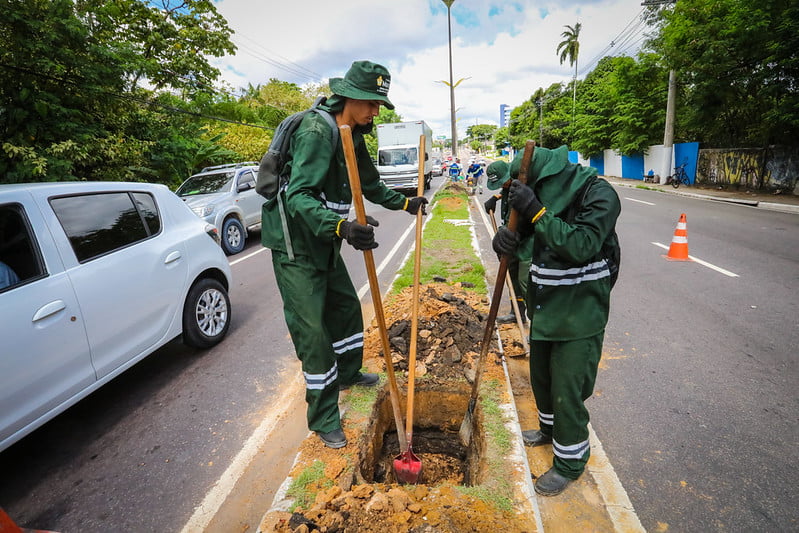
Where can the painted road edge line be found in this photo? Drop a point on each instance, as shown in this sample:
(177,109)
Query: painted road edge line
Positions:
(618,504)
(216,496)
(704,263)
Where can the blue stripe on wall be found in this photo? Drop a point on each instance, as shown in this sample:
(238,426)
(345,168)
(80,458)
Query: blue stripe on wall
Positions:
(598,162)
(632,166)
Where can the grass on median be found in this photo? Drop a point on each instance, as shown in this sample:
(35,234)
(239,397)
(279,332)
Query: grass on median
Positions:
(447,249)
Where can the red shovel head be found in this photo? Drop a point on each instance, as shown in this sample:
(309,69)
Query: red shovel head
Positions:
(407,467)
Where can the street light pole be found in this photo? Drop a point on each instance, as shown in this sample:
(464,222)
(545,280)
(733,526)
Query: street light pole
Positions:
(449,3)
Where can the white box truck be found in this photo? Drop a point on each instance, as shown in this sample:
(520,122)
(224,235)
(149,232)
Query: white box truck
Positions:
(397,154)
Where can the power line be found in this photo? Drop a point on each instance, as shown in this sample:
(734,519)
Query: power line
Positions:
(623,36)
(285,59)
(299,70)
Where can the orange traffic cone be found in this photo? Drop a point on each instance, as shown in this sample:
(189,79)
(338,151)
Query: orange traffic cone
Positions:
(678,251)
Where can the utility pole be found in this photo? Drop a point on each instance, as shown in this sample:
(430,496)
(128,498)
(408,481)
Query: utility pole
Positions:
(668,135)
(671,99)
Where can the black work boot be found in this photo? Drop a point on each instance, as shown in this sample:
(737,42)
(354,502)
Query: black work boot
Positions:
(551,483)
(534,437)
(333,439)
(507,319)
(364,380)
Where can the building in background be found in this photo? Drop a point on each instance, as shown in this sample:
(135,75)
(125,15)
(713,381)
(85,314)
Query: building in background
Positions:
(504,115)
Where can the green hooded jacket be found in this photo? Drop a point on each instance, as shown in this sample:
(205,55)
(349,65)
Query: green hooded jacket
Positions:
(318,195)
(568,294)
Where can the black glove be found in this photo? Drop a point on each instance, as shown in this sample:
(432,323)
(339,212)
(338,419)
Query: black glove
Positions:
(359,236)
(413,205)
(505,241)
(523,199)
(491,204)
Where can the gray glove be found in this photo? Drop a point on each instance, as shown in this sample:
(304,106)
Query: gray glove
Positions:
(523,199)
(415,203)
(505,241)
(361,237)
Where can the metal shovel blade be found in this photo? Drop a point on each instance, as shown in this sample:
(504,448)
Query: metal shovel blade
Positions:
(407,467)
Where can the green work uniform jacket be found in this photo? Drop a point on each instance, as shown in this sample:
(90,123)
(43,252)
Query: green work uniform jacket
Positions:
(568,294)
(318,194)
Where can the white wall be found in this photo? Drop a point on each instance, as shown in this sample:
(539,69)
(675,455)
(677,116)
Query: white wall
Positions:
(612,163)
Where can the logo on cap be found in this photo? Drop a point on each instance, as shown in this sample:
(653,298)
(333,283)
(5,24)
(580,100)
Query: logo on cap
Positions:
(382,85)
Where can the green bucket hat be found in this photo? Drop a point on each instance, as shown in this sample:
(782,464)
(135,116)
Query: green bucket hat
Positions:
(497,173)
(364,81)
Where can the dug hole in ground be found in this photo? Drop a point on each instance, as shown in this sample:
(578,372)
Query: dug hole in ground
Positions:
(483,487)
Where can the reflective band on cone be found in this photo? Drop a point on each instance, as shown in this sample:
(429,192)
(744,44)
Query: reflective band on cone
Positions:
(678,251)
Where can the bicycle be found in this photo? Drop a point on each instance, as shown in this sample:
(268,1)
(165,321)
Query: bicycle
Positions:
(679,176)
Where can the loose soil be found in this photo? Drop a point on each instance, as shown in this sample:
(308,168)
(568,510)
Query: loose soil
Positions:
(451,327)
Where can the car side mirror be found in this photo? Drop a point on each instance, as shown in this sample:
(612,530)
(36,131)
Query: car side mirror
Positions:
(246,186)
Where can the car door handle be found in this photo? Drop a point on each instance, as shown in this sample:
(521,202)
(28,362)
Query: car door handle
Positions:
(172,257)
(49,310)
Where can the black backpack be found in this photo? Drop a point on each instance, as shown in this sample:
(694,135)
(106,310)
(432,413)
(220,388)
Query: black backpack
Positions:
(611,249)
(271,176)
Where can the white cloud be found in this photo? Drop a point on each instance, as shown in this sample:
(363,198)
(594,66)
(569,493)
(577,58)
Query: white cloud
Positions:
(506,49)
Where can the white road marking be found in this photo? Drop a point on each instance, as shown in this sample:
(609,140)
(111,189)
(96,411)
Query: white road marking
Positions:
(639,201)
(205,512)
(703,263)
(239,260)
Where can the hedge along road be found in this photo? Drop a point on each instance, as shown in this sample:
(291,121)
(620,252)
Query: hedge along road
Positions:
(143,452)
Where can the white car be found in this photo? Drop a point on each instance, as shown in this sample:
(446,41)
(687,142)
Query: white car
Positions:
(225,196)
(93,278)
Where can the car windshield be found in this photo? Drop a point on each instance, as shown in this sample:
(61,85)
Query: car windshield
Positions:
(397,156)
(206,183)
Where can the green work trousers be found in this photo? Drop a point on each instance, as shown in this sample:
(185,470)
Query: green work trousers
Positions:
(323,315)
(519,272)
(562,374)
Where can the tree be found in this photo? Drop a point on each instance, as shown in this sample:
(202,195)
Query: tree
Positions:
(70,104)
(737,62)
(570,48)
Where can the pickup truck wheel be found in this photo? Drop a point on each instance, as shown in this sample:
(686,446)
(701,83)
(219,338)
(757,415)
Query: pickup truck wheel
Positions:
(206,314)
(232,236)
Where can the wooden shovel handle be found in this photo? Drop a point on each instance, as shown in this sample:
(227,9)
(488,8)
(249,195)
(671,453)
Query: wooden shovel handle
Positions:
(374,286)
(527,157)
(417,267)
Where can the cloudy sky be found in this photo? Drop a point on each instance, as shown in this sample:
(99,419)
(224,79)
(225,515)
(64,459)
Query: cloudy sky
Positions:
(504,50)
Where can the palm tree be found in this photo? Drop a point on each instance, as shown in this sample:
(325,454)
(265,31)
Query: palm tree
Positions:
(569,49)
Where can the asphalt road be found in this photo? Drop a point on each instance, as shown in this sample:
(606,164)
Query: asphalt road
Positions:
(176,430)
(695,403)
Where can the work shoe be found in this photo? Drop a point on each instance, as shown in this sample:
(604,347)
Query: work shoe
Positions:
(364,380)
(333,439)
(534,437)
(506,319)
(551,483)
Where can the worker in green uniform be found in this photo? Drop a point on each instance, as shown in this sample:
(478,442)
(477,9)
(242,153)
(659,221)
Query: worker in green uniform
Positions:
(320,304)
(518,264)
(570,214)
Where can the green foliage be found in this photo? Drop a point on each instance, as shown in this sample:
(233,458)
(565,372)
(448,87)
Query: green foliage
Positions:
(70,107)
(736,63)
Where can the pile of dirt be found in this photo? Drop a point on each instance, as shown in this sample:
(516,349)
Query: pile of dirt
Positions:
(451,328)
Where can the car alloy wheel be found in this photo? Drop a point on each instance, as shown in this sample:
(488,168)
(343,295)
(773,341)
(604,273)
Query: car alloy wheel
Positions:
(206,314)
(232,236)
